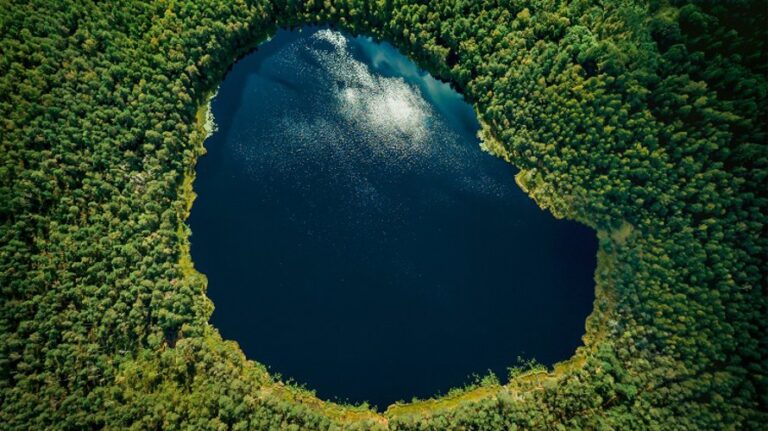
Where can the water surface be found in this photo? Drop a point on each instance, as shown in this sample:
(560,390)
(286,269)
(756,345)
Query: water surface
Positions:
(356,238)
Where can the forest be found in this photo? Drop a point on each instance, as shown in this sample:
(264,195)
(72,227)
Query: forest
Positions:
(644,119)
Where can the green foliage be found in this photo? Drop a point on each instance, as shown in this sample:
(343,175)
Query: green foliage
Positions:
(645,120)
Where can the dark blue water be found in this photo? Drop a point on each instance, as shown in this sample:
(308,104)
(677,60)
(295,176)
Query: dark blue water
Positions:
(356,238)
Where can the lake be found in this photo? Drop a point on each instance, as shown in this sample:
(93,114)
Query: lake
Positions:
(356,238)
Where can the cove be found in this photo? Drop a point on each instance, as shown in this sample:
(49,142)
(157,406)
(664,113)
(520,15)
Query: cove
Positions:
(356,238)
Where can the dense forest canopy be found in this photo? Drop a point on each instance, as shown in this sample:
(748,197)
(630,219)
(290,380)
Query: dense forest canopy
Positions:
(643,119)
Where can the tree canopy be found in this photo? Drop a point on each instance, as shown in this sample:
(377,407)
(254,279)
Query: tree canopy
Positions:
(643,119)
